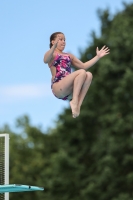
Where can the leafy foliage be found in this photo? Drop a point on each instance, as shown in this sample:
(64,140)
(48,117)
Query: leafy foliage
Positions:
(90,157)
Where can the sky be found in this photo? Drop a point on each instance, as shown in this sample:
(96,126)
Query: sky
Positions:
(25,28)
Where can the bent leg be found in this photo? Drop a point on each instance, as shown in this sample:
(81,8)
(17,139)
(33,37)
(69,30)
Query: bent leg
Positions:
(77,84)
(85,88)
(71,84)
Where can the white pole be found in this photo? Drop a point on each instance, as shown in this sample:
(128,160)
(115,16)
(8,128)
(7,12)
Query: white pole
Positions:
(7,163)
(6,153)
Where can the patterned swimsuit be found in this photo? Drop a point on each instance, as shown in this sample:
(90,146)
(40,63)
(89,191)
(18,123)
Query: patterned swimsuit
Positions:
(62,62)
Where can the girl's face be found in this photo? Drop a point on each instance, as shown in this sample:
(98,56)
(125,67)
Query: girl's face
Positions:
(61,42)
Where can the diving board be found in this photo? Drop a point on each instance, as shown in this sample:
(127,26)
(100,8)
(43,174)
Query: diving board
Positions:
(19,188)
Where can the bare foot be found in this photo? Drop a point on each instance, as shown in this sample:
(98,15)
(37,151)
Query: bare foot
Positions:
(74,108)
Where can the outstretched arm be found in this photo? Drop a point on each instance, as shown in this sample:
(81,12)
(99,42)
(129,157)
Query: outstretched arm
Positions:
(99,54)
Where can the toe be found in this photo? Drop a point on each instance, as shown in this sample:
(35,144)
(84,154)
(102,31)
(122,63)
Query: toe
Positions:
(73,115)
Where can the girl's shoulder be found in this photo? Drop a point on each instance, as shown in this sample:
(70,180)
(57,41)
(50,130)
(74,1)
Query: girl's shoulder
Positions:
(71,56)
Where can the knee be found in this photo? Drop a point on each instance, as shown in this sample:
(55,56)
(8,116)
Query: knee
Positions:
(82,72)
(89,75)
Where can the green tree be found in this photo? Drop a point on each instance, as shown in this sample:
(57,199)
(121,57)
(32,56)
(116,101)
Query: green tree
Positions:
(97,147)
(29,157)
(90,157)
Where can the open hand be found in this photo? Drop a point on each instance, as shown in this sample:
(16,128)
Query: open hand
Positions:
(56,40)
(104,51)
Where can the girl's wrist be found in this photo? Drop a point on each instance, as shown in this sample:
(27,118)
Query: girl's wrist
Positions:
(97,57)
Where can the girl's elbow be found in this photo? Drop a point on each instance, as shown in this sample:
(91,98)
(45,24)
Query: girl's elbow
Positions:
(83,66)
